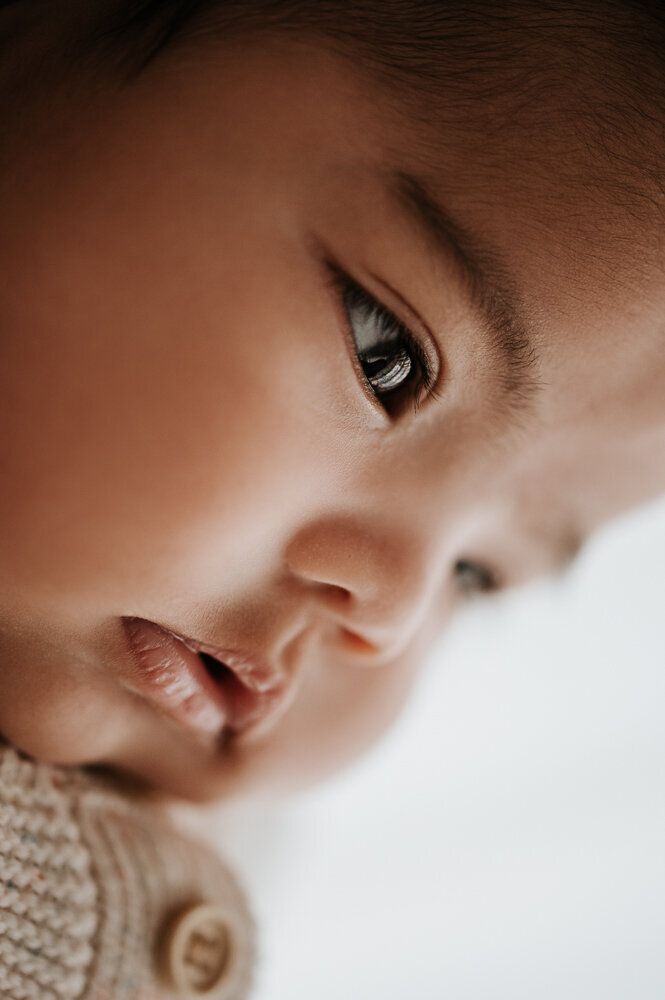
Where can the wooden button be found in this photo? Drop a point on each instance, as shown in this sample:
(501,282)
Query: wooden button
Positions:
(197,951)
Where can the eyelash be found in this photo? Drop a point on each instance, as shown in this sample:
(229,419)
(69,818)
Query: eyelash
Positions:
(419,384)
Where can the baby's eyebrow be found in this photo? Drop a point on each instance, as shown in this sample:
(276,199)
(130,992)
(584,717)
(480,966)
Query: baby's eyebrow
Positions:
(490,289)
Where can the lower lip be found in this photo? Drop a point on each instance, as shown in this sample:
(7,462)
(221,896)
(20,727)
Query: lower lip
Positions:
(172,677)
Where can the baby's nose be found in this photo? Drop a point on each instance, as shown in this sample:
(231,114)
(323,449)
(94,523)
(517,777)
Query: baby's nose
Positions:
(374,582)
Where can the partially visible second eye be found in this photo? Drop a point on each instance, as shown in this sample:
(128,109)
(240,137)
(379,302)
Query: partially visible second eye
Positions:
(473,578)
(393,362)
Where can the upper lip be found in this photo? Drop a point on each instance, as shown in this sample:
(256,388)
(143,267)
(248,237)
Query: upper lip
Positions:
(167,669)
(254,672)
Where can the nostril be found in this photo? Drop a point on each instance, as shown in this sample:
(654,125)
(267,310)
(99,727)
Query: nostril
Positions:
(337,593)
(332,596)
(357,645)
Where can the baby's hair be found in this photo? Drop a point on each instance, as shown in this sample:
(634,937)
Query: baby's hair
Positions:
(582,79)
(420,42)
(583,68)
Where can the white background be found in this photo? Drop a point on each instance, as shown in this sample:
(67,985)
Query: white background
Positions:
(507,840)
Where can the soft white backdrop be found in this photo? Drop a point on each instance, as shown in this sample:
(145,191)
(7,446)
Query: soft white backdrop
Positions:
(507,840)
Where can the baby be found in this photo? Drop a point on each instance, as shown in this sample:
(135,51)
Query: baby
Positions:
(317,317)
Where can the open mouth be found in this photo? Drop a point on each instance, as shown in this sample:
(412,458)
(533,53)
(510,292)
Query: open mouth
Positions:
(208,691)
(219,671)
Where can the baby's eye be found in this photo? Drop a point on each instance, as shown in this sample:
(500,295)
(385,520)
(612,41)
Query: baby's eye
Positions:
(473,578)
(393,362)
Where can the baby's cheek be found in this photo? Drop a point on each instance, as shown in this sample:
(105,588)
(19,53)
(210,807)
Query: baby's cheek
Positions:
(52,713)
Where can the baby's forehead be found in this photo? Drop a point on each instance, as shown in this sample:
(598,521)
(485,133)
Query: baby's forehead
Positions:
(536,89)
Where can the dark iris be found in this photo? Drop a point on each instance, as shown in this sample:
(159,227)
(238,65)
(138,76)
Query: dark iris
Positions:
(387,367)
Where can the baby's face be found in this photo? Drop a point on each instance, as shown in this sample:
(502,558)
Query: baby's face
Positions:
(253,403)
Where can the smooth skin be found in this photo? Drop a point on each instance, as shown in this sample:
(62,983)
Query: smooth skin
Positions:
(187,433)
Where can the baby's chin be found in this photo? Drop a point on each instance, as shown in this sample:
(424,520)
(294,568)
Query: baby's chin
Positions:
(130,740)
(80,725)
(172,768)
(152,756)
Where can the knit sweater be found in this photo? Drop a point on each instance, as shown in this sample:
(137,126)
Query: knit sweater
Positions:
(99,894)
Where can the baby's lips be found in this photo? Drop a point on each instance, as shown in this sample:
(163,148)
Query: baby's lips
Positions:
(257,676)
(251,708)
(258,691)
(170,676)
(254,672)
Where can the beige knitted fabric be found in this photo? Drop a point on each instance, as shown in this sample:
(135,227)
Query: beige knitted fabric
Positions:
(88,880)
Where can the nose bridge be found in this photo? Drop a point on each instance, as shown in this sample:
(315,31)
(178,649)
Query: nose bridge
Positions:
(374,577)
